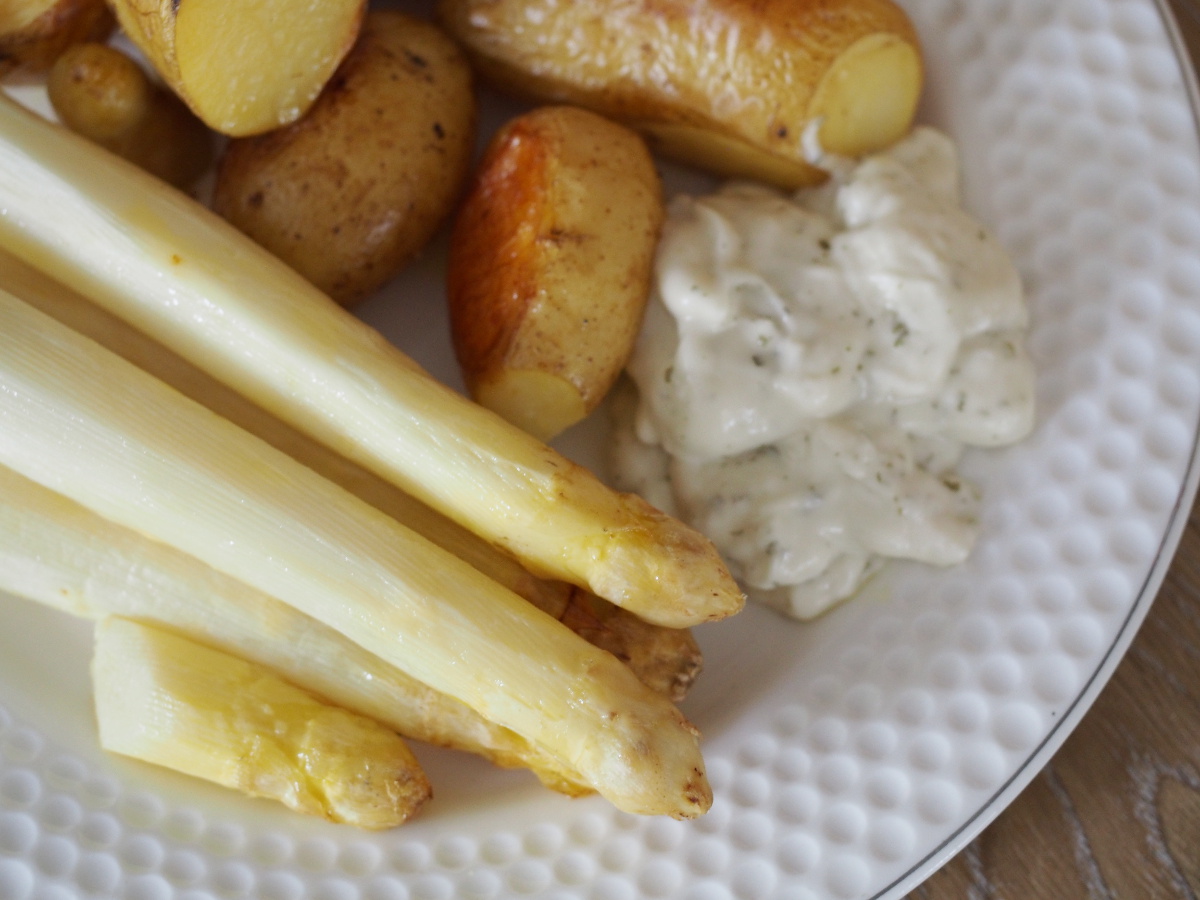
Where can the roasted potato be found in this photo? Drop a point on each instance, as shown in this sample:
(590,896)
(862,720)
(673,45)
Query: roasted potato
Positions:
(243,68)
(550,263)
(34,32)
(728,85)
(668,660)
(99,92)
(355,189)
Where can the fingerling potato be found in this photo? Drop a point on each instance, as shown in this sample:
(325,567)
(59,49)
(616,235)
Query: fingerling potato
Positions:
(34,32)
(354,190)
(550,263)
(99,92)
(727,85)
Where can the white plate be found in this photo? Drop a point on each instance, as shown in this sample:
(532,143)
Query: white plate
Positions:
(850,757)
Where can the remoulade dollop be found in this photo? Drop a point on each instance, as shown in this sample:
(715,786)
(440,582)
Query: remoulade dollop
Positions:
(812,367)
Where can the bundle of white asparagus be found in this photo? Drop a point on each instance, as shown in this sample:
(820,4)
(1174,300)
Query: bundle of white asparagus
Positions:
(666,659)
(422,626)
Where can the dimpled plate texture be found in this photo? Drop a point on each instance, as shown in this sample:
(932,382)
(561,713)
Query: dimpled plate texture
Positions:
(849,757)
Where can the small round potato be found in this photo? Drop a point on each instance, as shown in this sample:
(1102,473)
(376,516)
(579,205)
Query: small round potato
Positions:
(100,93)
(550,265)
(351,192)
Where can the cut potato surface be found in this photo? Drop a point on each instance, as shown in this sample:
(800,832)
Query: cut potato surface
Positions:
(243,68)
(549,267)
(728,85)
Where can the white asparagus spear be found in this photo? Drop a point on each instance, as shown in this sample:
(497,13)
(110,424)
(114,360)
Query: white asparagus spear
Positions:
(87,424)
(55,552)
(666,659)
(158,259)
(166,699)
(81,315)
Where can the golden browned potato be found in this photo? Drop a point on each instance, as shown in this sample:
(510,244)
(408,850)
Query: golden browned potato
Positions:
(550,262)
(99,92)
(34,32)
(243,68)
(728,85)
(351,192)
(668,660)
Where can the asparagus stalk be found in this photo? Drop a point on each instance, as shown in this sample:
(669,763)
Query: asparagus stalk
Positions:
(666,659)
(159,260)
(55,552)
(89,425)
(166,699)
(81,315)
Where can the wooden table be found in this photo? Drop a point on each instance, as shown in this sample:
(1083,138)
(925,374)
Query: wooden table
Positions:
(1116,813)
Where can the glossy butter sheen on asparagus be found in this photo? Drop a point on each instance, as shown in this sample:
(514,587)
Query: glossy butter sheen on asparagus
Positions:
(169,700)
(55,552)
(666,659)
(86,423)
(171,268)
(81,315)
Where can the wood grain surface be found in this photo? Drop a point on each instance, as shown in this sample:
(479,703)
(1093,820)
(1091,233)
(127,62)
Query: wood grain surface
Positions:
(1116,813)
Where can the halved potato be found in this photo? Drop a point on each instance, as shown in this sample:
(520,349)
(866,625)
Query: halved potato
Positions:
(550,264)
(729,85)
(243,68)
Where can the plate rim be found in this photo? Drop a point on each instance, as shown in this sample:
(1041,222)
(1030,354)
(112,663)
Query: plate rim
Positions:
(1076,711)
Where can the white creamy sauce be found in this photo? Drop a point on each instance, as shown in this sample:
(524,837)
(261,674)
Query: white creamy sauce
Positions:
(812,366)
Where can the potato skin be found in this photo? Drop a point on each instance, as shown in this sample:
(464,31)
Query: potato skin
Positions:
(34,32)
(729,85)
(103,95)
(355,189)
(550,265)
